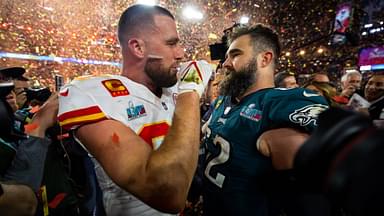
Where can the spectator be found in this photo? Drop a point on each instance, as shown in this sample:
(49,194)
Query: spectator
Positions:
(285,80)
(21,84)
(28,165)
(374,89)
(350,83)
(327,90)
(12,74)
(320,77)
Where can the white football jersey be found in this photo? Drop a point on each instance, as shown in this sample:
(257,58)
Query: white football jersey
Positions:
(95,98)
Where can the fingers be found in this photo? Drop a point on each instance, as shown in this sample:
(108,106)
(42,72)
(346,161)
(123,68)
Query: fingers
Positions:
(194,76)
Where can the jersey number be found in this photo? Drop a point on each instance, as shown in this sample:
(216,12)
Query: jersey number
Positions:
(221,158)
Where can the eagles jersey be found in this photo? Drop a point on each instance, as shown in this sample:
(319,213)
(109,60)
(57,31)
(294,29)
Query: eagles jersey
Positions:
(92,99)
(235,173)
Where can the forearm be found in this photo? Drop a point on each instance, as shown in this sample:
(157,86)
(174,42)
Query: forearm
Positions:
(161,177)
(281,145)
(38,131)
(172,166)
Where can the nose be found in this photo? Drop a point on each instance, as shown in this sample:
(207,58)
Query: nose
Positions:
(227,63)
(179,52)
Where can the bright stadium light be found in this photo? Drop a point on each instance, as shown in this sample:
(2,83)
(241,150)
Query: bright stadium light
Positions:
(147,2)
(244,20)
(369,25)
(192,13)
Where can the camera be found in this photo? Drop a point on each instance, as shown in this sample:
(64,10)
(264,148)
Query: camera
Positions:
(38,94)
(218,50)
(343,159)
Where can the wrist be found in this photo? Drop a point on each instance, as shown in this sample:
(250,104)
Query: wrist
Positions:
(188,93)
(37,131)
(192,87)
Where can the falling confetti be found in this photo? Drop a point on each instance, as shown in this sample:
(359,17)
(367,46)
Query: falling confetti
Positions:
(56,28)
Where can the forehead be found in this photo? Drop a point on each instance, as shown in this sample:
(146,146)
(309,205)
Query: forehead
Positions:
(165,26)
(321,77)
(241,43)
(354,77)
(290,78)
(379,78)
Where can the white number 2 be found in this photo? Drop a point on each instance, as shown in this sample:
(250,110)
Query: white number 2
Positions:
(221,158)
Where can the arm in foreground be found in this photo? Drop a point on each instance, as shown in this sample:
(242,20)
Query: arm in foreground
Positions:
(281,145)
(160,178)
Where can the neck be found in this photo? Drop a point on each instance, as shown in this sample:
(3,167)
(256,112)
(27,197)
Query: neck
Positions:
(138,75)
(263,80)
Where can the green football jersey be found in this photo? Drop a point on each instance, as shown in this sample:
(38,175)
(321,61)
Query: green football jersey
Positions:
(235,173)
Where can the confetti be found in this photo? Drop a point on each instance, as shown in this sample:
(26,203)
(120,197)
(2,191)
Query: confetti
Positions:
(55,28)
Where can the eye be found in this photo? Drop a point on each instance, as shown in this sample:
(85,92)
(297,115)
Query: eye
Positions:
(172,43)
(233,55)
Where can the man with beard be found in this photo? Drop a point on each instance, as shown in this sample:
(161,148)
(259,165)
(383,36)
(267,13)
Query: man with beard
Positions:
(144,139)
(238,167)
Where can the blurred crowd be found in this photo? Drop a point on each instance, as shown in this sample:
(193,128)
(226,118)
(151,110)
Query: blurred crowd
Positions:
(55,28)
(87,30)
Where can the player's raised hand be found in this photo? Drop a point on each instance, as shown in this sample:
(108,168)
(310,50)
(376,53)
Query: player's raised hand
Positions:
(194,76)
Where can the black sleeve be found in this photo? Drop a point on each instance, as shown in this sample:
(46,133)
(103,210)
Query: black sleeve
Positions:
(28,165)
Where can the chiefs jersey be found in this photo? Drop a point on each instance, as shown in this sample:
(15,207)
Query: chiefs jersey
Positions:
(91,99)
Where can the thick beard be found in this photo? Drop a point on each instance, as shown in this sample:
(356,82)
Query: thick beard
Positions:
(236,83)
(161,76)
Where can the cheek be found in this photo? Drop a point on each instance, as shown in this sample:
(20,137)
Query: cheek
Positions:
(237,64)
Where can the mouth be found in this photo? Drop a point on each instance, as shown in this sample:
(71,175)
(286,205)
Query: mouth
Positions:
(175,66)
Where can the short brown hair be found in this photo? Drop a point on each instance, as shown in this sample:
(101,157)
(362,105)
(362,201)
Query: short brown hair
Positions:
(262,37)
(136,18)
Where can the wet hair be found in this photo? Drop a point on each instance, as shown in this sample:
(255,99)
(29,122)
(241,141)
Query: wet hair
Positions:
(137,18)
(263,38)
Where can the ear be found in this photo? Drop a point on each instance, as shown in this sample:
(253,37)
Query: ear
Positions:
(265,59)
(137,47)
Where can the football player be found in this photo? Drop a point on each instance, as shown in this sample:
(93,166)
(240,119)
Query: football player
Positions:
(238,166)
(143,138)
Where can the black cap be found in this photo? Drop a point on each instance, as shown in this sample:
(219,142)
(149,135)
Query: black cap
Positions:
(14,72)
